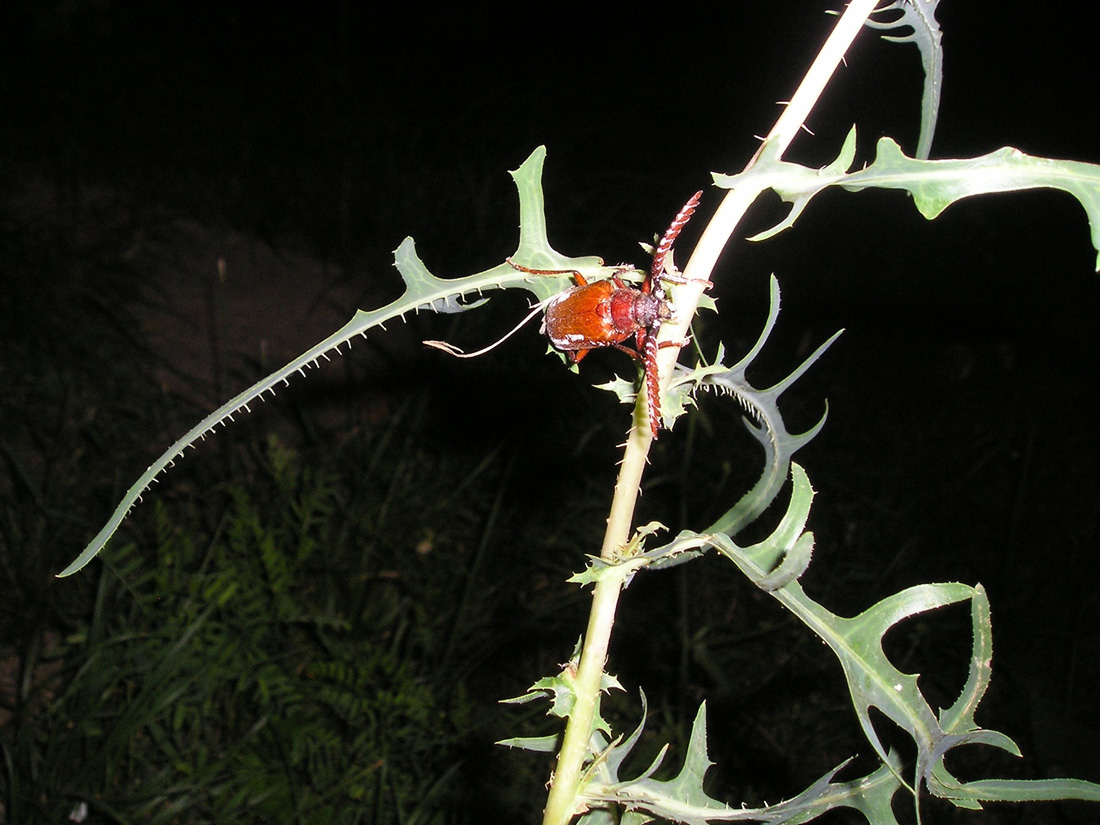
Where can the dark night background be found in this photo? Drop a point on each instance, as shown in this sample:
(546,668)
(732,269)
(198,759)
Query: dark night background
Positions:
(140,143)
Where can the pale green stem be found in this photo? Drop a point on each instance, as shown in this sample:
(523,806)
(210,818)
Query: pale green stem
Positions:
(565,784)
(563,800)
(737,201)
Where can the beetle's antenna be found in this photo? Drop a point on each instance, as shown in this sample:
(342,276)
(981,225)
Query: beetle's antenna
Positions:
(682,217)
(451,349)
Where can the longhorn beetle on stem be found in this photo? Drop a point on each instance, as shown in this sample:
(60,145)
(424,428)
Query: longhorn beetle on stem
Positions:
(605,313)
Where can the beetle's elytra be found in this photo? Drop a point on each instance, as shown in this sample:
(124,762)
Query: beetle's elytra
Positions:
(605,313)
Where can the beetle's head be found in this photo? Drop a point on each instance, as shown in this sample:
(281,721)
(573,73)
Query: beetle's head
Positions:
(651,309)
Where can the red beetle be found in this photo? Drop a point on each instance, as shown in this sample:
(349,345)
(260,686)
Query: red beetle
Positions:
(606,313)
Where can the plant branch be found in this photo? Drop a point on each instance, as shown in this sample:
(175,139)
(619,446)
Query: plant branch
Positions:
(737,201)
(561,805)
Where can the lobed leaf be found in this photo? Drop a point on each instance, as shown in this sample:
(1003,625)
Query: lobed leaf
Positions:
(684,799)
(920,17)
(765,421)
(423,290)
(561,691)
(934,184)
(774,565)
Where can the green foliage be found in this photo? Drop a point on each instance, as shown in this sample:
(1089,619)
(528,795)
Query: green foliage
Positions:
(933,184)
(873,681)
(422,291)
(234,675)
(924,31)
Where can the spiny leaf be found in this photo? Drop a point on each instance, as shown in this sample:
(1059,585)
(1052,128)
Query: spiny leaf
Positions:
(871,795)
(683,798)
(687,787)
(873,681)
(794,183)
(561,690)
(934,184)
(422,291)
(959,720)
(784,555)
(539,744)
(972,794)
(920,16)
(765,421)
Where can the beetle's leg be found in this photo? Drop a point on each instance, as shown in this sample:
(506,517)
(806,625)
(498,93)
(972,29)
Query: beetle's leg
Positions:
(648,345)
(619,270)
(580,279)
(633,353)
(642,336)
(674,276)
(647,354)
(576,355)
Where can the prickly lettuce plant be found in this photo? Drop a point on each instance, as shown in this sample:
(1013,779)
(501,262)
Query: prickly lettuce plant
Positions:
(589,779)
